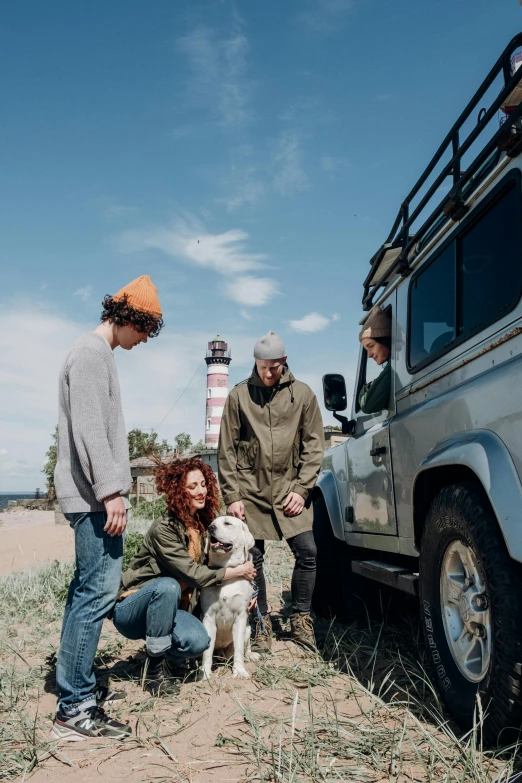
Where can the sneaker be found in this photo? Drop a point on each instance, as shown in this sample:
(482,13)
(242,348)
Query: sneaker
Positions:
(158,679)
(106,696)
(302,629)
(91,722)
(262,639)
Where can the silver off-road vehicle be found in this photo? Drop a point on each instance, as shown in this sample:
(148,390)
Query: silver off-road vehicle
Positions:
(426,496)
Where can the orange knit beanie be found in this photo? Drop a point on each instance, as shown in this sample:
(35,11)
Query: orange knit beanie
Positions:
(142,294)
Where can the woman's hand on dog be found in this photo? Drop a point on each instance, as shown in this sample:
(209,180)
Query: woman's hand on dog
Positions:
(245,570)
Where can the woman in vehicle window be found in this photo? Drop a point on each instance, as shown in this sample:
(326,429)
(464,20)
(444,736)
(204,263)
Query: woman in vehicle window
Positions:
(375,337)
(161,586)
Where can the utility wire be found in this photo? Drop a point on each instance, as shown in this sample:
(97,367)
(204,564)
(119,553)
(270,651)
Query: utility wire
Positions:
(179,398)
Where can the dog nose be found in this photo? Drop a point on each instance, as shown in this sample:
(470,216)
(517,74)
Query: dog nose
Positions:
(212,528)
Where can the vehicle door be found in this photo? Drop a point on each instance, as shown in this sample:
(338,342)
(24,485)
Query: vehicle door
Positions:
(371,496)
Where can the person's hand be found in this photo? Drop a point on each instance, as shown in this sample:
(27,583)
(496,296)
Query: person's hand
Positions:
(243,571)
(252,604)
(116,515)
(237,509)
(293,504)
(249,572)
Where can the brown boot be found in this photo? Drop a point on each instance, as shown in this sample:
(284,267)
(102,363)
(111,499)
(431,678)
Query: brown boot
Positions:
(262,638)
(303,630)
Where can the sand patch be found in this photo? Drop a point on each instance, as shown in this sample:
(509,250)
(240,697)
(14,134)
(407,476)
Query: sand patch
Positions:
(30,539)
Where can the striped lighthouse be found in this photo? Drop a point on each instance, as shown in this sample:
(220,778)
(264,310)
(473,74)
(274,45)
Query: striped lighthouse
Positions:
(218,358)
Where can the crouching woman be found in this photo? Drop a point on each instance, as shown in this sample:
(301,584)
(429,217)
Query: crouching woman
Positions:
(160,588)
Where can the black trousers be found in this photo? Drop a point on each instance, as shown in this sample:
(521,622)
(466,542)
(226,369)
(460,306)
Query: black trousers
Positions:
(303,578)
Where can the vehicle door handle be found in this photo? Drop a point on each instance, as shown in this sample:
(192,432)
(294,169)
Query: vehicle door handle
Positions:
(379,450)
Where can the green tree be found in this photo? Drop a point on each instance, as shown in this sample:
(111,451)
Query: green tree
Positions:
(50,461)
(183,442)
(146,444)
(199,446)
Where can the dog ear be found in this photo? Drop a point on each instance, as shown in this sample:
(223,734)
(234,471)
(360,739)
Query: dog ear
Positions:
(248,539)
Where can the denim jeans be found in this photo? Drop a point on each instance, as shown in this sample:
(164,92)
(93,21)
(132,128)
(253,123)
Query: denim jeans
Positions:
(92,594)
(303,577)
(152,614)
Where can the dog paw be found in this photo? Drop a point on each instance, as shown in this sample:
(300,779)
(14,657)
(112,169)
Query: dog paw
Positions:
(242,673)
(253,656)
(202,674)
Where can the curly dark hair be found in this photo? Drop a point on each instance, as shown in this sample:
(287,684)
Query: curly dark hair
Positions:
(121,313)
(170,481)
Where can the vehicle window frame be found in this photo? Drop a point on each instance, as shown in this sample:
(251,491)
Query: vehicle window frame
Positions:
(513,180)
(361,378)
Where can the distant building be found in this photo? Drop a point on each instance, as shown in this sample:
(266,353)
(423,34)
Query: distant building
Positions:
(142,472)
(143,484)
(209,456)
(332,437)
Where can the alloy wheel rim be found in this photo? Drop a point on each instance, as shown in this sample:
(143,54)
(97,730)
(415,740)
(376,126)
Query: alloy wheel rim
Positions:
(466,613)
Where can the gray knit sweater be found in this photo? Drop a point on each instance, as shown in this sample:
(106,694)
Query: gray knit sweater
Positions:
(93,452)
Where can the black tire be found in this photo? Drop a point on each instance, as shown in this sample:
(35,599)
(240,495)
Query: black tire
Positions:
(338,593)
(327,600)
(458,521)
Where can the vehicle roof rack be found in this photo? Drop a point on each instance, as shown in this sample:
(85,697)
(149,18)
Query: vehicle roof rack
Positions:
(394,256)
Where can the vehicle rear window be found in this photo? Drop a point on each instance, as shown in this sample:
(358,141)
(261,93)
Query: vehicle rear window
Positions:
(432,307)
(491,264)
(474,281)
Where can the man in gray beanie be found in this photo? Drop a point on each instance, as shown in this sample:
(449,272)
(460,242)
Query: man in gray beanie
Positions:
(270,451)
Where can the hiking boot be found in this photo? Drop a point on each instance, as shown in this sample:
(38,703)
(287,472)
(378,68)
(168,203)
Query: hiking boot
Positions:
(91,722)
(302,628)
(262,639)
(105,696)
(158,677)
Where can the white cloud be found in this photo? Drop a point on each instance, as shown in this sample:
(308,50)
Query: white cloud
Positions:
(119,211)
(254,291)
(218,66)
(325,16)
(245,314)
(188,240)
(33,345)
(225,253)
(246,188)
(332,164)
(313,322)
(290,176)
(84,293)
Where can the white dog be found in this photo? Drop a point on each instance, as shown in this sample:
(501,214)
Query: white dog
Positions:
(225,615)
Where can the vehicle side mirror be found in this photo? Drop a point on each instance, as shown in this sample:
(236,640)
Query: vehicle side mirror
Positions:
(334,391)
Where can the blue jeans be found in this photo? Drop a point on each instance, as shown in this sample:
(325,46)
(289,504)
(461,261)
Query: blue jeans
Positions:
(152,614)
(92,594)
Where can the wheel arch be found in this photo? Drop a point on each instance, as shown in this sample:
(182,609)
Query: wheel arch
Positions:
(482,458)
(327,487)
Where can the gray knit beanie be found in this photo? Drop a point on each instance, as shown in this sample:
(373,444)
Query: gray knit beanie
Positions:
(269,346)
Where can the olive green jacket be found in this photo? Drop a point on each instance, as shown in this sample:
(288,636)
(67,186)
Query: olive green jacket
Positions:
(374,397)
(271,443)
(164,552)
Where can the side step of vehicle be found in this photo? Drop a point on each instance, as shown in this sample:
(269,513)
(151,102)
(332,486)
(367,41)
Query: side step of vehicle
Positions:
(391,575)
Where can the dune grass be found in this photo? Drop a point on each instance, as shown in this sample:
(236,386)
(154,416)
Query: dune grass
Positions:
(361,708)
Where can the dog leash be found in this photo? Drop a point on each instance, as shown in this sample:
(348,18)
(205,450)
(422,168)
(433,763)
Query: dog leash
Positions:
(259,616)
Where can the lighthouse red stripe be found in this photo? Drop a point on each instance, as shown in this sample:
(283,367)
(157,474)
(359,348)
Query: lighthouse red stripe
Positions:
(217,379)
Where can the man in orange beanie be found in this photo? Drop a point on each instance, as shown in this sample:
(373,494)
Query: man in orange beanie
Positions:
(93,479)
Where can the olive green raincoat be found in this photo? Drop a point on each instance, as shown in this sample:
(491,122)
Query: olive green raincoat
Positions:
(271,443)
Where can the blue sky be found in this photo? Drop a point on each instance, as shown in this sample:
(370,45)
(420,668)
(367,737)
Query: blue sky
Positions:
(281,135)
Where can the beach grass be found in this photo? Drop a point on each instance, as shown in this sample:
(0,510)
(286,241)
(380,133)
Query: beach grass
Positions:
(360,708)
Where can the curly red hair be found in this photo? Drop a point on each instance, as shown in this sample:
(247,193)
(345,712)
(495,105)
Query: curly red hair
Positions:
(171,478)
